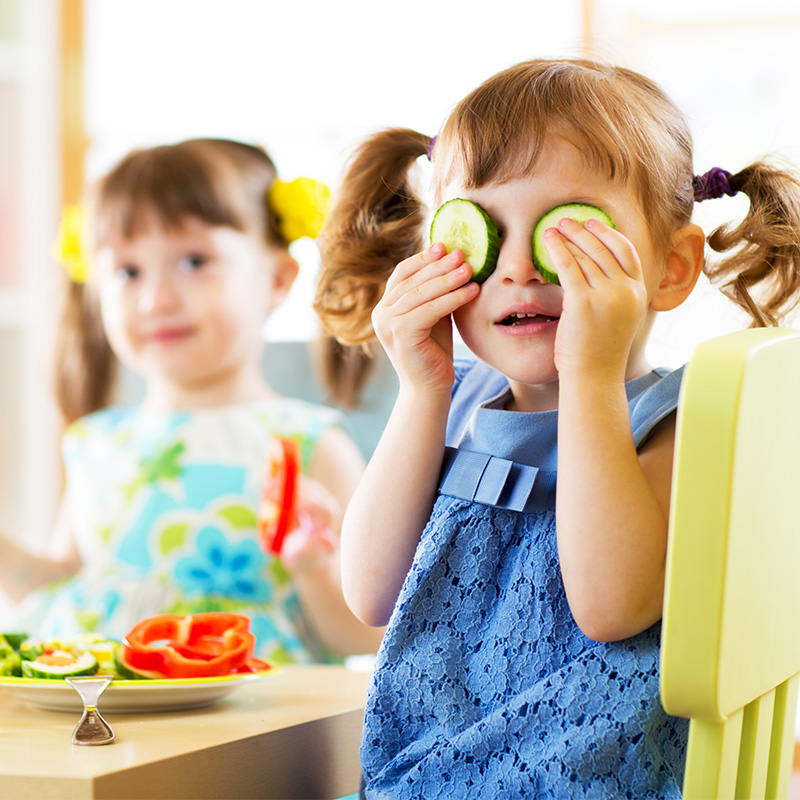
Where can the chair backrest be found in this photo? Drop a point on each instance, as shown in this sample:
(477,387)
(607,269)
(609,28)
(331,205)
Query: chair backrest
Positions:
(730,654)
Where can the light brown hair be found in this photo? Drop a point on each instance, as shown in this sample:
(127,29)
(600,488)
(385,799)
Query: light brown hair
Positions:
(623,124)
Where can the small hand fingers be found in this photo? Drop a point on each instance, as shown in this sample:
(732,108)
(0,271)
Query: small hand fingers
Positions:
(603,245)
(428,283)
(619,246)
(420,310)
(588,267)
(590,253)
(410,267)
(415,313)
(565,259)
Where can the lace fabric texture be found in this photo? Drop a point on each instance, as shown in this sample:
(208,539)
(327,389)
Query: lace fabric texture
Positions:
(493,691)
(485,687)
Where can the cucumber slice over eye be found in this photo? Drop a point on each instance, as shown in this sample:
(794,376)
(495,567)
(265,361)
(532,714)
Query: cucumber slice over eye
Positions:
(465,225)
(580,212)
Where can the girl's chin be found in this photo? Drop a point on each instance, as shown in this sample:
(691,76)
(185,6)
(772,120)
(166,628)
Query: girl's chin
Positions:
(536,380)
(533,364)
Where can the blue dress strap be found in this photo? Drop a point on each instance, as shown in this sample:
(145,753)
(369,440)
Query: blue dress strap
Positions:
(475,383)
(654,404)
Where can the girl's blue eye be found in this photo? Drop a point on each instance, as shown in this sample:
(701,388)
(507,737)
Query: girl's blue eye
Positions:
(192,262)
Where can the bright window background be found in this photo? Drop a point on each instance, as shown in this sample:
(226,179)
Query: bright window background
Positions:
(308,80)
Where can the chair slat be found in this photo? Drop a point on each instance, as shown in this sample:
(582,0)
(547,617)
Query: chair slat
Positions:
(781,754)
(712,757)
(751,778)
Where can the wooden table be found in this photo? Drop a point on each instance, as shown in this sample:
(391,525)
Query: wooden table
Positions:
(294,735)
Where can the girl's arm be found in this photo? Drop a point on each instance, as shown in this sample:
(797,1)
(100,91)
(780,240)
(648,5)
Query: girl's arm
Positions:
(612,509)
(612,502)
(22,571)
(393,501)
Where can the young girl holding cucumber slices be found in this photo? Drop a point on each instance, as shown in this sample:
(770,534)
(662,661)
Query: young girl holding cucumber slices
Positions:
(190,256)
(511,525)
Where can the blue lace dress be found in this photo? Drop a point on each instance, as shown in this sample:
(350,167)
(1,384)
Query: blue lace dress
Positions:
(164,509)
(484,686)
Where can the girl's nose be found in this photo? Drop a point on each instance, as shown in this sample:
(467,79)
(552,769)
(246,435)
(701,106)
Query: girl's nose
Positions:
(515,261)
(159,295)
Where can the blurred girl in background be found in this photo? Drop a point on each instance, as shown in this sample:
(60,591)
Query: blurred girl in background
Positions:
(189,255)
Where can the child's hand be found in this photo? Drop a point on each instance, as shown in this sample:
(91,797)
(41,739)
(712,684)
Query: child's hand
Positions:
(412,319)
(312,541)
(605,298)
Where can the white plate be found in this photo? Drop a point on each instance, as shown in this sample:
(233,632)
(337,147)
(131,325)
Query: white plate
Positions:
(155,695)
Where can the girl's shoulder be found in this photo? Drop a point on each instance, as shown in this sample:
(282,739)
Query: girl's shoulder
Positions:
(651,399)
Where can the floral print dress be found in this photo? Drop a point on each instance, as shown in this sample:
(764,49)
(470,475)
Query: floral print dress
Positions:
(164,513)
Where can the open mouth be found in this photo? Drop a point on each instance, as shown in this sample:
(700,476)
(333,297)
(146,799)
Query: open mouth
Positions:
(526,319)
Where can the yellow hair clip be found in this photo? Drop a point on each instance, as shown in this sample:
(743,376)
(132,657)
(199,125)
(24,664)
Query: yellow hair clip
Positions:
(68,248)
(299,206)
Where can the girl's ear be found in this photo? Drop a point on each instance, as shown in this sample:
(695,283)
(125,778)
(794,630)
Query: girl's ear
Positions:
(284,272)
(684,263)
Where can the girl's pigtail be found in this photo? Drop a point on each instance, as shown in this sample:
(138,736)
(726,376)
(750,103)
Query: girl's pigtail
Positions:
(376,220)
(85,367)
(764,247)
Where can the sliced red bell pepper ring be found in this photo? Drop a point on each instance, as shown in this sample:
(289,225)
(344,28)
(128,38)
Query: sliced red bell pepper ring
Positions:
(192,646)
(277,510)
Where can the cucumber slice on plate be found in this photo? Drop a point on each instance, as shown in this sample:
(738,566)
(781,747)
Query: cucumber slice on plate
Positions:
(580,212)
(60,664)
(465,225)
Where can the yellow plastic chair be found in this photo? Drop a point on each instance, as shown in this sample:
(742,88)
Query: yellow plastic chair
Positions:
(730,654)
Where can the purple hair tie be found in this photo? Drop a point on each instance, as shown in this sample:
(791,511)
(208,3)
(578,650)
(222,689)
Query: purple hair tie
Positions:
(715,183)
(430,148)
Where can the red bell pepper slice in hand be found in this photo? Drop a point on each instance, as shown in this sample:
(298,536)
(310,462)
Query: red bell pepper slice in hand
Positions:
(277,511)
(193,646)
